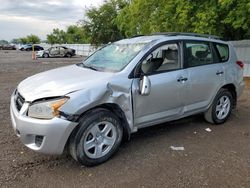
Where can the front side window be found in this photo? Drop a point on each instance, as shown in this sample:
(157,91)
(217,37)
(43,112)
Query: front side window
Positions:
(198,53)
(164,58)
(113,57)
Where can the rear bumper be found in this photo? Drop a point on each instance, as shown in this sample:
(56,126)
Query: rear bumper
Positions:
(44,136)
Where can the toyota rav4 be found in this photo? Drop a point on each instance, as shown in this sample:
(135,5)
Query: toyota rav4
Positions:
(125,86)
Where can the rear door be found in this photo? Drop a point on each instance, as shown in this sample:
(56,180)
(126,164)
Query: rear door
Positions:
(205,72)
(163,67)
(62,51)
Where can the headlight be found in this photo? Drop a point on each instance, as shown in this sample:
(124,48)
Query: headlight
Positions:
(47,109)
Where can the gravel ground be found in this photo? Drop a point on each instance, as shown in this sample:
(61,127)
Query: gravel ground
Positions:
(219,158)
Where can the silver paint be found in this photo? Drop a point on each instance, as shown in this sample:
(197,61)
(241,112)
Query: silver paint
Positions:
(166,98)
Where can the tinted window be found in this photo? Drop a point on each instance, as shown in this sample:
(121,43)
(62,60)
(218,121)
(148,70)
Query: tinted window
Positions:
(223,51)
(164,58)
(198,53)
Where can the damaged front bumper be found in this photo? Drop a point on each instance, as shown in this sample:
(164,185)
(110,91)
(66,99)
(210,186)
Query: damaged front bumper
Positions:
(44,136)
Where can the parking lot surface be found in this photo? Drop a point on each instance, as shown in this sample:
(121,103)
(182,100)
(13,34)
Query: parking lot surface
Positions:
(216,158)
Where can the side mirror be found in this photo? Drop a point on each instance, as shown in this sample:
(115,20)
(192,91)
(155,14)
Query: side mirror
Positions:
(145,85)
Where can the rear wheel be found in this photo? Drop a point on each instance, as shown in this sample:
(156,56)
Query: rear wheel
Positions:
(221,107)
(68,55)
(97,139)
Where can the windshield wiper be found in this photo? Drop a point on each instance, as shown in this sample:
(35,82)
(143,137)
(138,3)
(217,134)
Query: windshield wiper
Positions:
(87,66)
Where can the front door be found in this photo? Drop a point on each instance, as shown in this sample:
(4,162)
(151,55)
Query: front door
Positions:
(54,51)
(163,67)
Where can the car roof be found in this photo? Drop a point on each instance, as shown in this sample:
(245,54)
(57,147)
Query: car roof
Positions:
(188,34)
(138,39)
(171,36)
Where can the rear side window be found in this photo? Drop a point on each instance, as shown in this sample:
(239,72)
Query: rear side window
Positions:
(198,53)
(223,51)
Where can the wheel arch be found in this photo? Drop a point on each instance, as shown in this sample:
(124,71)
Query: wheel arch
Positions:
(45,53)
(68,54)
(231,87)
(114,108)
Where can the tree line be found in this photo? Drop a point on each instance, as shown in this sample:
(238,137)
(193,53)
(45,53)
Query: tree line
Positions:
(117,19)
(30,39)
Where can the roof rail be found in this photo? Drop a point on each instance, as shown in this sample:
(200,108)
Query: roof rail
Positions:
(134,36)
(188,34)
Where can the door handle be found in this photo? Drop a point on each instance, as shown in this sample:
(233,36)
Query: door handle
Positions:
(181,79)
(219,72)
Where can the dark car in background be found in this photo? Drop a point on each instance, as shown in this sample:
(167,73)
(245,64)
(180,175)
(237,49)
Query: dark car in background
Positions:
(28,47)
(56,51)
(7,47)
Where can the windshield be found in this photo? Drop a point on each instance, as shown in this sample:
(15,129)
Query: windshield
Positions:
(114,57)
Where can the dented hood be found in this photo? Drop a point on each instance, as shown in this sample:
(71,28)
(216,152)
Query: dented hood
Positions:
(60,81)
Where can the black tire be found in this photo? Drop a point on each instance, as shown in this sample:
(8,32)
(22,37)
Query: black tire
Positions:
(45,55)
(68,55)
(78,137)
(211,115)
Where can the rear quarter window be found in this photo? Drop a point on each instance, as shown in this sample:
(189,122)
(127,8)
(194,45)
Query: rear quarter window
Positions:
(223,51)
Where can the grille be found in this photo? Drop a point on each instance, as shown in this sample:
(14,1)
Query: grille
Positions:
(38,140)
(19,100)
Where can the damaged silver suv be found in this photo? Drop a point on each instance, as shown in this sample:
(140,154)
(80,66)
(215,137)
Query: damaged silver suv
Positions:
(124,86)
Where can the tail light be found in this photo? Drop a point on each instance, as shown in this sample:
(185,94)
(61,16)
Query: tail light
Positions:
(240,63)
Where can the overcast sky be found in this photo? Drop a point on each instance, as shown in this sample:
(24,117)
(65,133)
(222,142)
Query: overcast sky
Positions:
(19,18)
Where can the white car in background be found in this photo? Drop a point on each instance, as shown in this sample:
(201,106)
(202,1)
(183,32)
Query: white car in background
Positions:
(56,51)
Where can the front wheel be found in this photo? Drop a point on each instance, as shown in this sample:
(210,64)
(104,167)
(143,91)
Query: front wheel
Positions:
(221,107)
(97,139)
(45,55)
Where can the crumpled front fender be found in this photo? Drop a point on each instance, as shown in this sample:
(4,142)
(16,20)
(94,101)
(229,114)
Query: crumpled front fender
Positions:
(109,93)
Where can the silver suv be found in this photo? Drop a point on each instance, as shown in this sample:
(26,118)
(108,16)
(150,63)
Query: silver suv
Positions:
(124,86)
